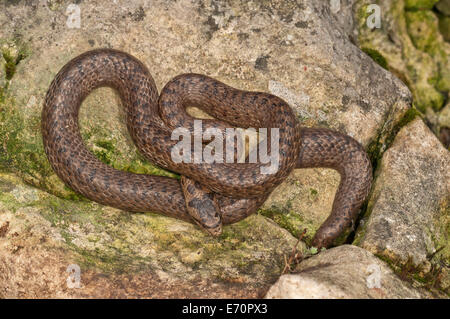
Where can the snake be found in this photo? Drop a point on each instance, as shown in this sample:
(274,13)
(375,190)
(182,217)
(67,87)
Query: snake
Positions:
(208,193)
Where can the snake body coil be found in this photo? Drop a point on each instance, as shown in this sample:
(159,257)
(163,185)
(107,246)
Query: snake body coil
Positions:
(208,194)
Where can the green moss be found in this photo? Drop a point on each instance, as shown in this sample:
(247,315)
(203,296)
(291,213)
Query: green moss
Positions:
(409,116)
(427,97)
(23,156)
(103,156)
(10,65)
(408,271)
(313,192)
(443,226)
(108,145)
(12,60)
(22,152)
(423,28)
(107,152)
(376,56)
(418,55)
(444,27)
(141,166)
(363,14)
(233,247)
(376,148)
(16,153)
(420,4)
(293,223)
(12,52)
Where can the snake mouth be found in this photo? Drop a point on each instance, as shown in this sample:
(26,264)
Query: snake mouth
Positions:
(217,231)
(205,213)
(214,230)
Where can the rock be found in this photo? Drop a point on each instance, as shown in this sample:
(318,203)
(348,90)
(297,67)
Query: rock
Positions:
(444,125)
(344,272)
(424,68)
(407,215)
(443,6)
(300,51)
(423,28)
(444,28)
(2,74)
(121,254)
(419,4)
(444,116)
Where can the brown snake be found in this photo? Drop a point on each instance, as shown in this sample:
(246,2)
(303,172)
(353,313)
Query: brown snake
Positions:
(208,194)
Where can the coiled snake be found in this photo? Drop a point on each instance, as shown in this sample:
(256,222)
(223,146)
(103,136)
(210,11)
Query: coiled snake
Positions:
(209,194)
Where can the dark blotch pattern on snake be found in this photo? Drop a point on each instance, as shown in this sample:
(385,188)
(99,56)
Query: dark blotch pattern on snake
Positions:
(208,194)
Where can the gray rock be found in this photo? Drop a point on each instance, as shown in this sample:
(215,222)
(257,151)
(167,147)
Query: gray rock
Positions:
(345,272)
(407,219)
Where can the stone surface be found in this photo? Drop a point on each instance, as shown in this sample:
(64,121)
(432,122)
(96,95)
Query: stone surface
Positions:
(2,74)
(344,272)
(299,51)
(444,7)
(396,42)
(420,4)
(423,28)
(128,255)
(412,44)
(302,51)
(444,116)
(407,218)
(444,27)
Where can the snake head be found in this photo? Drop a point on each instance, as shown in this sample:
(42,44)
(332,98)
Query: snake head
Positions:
(215,230)
(202,206)
(205,213)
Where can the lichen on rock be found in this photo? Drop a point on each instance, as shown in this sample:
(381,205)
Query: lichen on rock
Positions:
(423,28)
(400,40)
(407,216)
(443,6)
(420,4)
(109,245)
(325,86)
(300,51)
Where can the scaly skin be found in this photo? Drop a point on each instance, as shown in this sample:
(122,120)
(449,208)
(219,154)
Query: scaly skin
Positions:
(219,193)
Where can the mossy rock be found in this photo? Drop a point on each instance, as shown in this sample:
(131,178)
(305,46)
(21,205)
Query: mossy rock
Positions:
(376,56)
(443,6)
(378,99)
(419,4)
(444,27)
(53,233)
(423,28)
(413,48)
